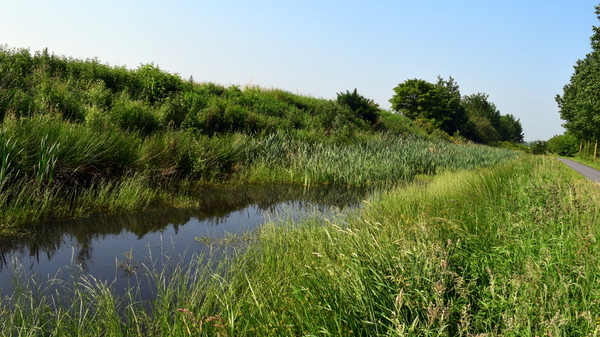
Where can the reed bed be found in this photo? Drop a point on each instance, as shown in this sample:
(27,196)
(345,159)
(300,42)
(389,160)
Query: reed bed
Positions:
(382,160)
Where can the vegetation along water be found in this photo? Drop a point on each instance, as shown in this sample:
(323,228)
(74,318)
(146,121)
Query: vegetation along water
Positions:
(79,137)
(462,239)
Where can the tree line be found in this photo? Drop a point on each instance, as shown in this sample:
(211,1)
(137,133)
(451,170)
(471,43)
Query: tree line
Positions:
(440,106)
(580,102)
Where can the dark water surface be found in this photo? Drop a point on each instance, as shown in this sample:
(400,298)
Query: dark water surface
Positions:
(110,247)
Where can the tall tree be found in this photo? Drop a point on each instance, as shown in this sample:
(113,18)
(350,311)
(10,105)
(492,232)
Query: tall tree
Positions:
(580,103)
(484,119)
(438,104)
(510,129)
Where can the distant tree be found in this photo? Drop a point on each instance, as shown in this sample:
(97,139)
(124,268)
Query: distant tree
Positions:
(438,104)
(456,116)
(484,119)
(481,130)
(510,129)
(415,99)
(580,103)
(362,107)
(564,145)
(538,147)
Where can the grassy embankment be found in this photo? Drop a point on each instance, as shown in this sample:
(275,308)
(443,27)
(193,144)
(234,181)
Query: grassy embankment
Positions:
(508,250)
(78,137)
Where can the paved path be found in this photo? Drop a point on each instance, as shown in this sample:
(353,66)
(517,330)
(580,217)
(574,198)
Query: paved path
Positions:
(586,171)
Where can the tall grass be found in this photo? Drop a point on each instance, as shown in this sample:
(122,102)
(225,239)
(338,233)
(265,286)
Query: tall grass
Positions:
(501,251)
(380,160)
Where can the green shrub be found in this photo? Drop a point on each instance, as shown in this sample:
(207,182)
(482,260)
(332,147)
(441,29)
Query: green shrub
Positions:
(152,84)
(512,146)
(362,107)
(219,116)
(135,115)
(58,96)
(538,147)
(564,145)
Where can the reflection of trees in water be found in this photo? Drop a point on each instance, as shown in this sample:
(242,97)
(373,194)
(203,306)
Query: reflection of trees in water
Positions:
(214,206)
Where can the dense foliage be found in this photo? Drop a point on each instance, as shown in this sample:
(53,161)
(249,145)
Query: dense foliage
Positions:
(580,102)
(79,136)
(441,105)
(149,100)
(564,145)
(538,147)
(437,104)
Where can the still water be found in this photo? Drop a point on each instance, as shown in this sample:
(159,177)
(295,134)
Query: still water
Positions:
(102,245)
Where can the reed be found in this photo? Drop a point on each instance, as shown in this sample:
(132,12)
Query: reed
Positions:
(380,160)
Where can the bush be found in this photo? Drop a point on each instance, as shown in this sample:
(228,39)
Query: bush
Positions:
(564,145)
(362,107)
(135,115)
(538,147)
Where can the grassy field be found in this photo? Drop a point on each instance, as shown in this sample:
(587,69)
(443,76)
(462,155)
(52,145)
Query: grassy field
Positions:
(508,250)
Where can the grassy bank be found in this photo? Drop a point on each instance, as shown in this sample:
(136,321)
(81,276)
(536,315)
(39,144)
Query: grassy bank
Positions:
(508,250)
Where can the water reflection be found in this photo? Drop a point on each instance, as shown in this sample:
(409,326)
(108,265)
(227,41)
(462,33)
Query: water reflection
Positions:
(97,242)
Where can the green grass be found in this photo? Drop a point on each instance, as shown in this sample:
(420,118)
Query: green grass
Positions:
(382,160)
(507,250)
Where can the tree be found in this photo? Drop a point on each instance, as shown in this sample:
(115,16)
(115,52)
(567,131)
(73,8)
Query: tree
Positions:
(538,147)
(438,104)
(564,145)
(456,116)
(580,103)
(483,119)
(510,129)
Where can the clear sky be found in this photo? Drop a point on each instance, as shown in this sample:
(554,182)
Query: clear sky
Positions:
(521,53)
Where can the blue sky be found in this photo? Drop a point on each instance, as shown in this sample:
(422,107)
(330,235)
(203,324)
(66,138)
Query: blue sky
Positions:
(520,53)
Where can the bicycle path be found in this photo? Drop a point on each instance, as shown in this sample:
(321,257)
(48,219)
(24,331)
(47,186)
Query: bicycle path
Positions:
(586,171)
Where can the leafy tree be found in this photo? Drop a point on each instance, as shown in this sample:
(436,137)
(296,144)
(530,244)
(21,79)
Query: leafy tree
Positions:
(564,145)
(538,147)
(438,104)
(456,116)
(484,119)
(486,124)
(416,99)
(481,130)
(580,103)
(510,129)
